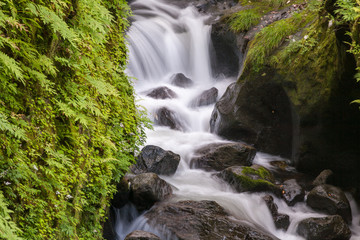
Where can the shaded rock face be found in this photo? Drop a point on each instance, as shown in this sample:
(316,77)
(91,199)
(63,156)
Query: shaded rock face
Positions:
(326,228)
(219,156)
(166,117)
(331,200)
(205,98)
(292,192)
(162,93)
(282,221)
(257,113)
(250,179)
(109,231)
(122,195)
(141,235)
(203,220)
(180,80)
(157,160)
(147,189)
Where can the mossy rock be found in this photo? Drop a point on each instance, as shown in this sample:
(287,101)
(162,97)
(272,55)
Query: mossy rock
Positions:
(250,179)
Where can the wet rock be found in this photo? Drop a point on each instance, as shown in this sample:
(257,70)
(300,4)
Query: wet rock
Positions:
(292,192)
(181,80)
(122,196)
(282,221)
(202,220)
(162,93)
(331,200)
(157,160)
(323,178)
(109,231)
(326,228)
(250,179)
(205,98)
(147,189)
(141,235)
(166,117)
(219,156)
(255,113)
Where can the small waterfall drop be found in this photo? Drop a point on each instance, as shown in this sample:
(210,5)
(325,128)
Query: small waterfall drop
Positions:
(165,40)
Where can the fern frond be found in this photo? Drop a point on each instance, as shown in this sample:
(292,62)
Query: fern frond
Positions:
(8,229)
(6,126)
(12,66)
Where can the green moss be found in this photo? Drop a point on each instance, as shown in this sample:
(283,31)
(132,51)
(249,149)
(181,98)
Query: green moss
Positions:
(272,37)
(252,179)
(244,20)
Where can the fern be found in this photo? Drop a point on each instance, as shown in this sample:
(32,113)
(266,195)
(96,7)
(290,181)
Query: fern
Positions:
(14,130)
(8,229)
(11,65)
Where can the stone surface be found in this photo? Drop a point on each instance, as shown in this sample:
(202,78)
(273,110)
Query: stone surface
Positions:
(157,160)
(162,93)
(219,156)
(256,113)
(141,235)
(331,200)
(250,179)
(292,192)
(109,231)
(205,98)
(326,228)
(323,178)
(282,221)
(203,220)
(167,117)
(180,80)
(122,194)
(147,189)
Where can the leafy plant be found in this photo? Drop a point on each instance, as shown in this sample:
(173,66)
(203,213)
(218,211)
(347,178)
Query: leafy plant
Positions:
(244,20)
(69,126)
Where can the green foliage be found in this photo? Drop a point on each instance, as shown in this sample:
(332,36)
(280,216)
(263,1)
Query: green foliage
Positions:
(271,37)
(68,121)
(244,20)
(8,229)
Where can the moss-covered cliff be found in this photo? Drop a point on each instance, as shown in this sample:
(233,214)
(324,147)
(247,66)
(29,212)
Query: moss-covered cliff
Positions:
(68,122)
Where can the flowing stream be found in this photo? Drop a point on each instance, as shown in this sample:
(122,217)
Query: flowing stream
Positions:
(165,40)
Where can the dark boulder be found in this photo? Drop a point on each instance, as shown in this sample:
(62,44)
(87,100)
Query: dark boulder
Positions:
(162,93)
(282,221)
(166,117)
(157,160)
(323,178)
(147,189)
(257,113)
(122,194)
(331,200)
(109,231)
(219,156)
(250,179)
(203,220)
(141,235)
(326,228)
(180,80)
(205,98)
(292,192)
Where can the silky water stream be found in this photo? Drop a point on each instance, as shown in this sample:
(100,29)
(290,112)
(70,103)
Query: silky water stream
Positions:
(165,40)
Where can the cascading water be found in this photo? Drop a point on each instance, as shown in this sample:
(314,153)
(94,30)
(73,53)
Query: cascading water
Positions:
(165,40)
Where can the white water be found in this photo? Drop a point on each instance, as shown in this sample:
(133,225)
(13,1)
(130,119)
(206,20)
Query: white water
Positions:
(165,40)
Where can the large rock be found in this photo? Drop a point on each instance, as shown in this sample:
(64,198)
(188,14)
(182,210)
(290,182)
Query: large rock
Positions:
(157,160)
(331,200)
(167,117)
(257,113)
(141,235)
(181,80)
(205,98)
(282,221)
(323,178)
(292,192)
(203,220)
(147,189)
(219,156)
(162,93)
(250,179)
(326,228)
(109,231)
(122,195)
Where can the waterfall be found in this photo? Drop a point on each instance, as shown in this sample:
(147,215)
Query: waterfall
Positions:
(165,40)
